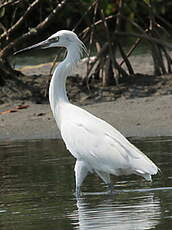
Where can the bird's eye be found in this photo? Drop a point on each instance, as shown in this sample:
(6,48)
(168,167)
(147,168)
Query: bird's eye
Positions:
(55,39)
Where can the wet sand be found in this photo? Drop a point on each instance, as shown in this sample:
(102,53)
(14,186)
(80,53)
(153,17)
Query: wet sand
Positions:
(149,116)
(140,117)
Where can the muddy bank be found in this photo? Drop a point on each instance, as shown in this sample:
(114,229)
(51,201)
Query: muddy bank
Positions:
(139,108)
(139,117)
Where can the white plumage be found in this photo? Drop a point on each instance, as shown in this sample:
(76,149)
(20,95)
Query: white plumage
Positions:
(96,145)
(101,146)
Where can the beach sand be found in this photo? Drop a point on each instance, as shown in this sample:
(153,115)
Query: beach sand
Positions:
(143,109)
(139,117)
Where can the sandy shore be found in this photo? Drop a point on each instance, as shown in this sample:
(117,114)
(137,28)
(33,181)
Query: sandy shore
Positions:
(140,117)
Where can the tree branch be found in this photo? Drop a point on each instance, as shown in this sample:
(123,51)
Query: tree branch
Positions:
(83,16)
(19,23)
(32,33)
(126,60)
(86,30)
(146,37)
(114,62)
(9,3)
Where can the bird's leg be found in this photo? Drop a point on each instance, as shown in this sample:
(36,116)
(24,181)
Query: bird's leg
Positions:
(106,178)
(110,188)
(77,192)
(81,171)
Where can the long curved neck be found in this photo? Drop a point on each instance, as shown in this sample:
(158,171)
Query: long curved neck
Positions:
(57,90)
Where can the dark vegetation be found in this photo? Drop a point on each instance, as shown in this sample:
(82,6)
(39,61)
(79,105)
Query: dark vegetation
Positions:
(105,26)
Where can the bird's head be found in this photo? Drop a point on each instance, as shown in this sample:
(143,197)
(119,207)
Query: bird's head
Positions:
(62,38)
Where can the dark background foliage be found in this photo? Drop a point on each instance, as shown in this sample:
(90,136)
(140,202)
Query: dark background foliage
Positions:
(104,25)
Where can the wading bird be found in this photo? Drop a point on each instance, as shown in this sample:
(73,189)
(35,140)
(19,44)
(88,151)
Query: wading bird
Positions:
(97,146)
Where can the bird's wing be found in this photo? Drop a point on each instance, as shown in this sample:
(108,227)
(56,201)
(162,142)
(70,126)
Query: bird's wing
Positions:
(102,146)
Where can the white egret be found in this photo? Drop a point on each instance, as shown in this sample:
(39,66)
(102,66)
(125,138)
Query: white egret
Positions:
(96,145)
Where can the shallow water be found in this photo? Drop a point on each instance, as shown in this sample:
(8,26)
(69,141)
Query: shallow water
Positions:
(37,186)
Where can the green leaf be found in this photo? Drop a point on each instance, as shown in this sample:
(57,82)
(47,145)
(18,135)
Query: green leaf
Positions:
(2,12)
(147,2)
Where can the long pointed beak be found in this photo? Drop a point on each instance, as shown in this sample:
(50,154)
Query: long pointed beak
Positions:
(40,45)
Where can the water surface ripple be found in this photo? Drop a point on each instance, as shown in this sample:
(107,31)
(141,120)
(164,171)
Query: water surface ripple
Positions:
(37,186)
